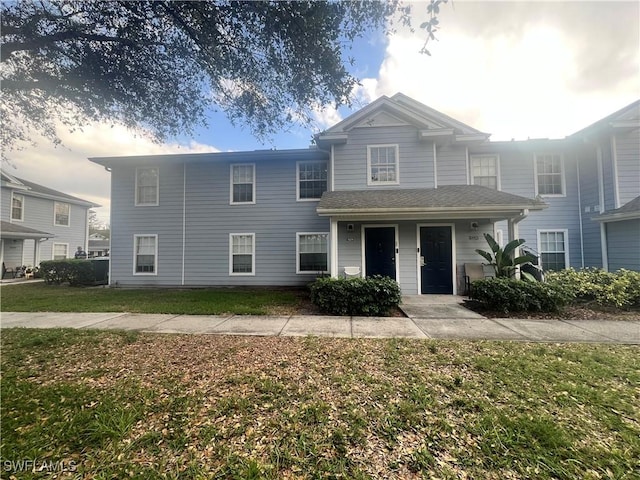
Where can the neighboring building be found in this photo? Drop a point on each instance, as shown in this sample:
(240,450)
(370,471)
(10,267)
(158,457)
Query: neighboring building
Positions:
(39,223)
(397,189)
(98,245)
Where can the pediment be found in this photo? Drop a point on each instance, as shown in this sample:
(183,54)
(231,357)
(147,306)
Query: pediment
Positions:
(381,119)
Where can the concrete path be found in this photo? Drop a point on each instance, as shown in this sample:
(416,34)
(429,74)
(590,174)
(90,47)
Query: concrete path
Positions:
(461,327)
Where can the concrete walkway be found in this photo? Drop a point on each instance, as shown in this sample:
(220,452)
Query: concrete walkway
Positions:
(454,327)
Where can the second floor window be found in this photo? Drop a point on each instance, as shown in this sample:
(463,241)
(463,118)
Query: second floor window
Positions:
(484,171)
(243,183)
(17,207)
(61,214)
(147,186)
(549,174)
(312,180)
(382,164)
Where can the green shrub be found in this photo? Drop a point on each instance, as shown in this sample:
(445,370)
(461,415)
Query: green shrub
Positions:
(510,295)
(74,272)
(373,296)
(619,289)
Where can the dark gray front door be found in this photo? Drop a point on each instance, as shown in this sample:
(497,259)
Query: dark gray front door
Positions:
(436,262)
(380,251)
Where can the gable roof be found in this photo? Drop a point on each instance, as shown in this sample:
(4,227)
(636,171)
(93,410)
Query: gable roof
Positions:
(38,190)
(627,118)
(429,121)
(460,201)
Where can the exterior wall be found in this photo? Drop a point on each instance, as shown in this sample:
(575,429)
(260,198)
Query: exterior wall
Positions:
(628,166)
(39,215)
(415,158)
(12,252)
(608,178)
(590,208)
(466,242)
(451,163)
(517,176)
(623,245)
(275,219)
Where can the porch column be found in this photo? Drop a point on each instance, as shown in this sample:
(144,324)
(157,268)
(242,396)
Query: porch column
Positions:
(512,225)
(333,247)
(36,252)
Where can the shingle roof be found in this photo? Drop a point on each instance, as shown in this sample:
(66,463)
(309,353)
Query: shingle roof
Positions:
(18,231)
(628,211)
(445,197)
(36,188)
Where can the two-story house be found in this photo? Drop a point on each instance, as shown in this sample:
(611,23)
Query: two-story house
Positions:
(397,189)
(39,223)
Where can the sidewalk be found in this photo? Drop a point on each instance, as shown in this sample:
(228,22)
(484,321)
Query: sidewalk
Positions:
(476,328)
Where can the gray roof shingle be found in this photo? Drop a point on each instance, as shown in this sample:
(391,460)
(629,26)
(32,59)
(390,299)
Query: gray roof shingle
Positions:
(445,197)
(18,231)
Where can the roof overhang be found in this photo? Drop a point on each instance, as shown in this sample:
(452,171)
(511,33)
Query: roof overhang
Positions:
(11,231)
(617,217)
(447,202)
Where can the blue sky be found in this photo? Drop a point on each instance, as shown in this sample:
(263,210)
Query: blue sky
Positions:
(513,69)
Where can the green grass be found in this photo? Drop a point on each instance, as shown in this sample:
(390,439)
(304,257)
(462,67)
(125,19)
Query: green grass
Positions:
(54,298)
(115,405)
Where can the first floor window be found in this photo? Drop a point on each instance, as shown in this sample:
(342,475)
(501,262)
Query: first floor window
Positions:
(145,254)
(553,249)
(484,170)
(383,164)
(242,183)
(312,252)
(60,251)
(147,179)
(242,248)
(17,207)
(62,211)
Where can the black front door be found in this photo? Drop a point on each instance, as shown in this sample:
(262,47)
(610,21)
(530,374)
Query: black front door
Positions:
(435,260)
(380,251)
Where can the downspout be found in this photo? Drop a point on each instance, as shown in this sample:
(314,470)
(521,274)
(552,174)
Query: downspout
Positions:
(467,163)
(184,215)
(580,215)
(435,167)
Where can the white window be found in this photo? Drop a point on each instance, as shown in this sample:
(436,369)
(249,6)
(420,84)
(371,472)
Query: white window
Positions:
(312,253)
(549,174)
(554,249)
(60,251)
(147,190)
(485,171)
(145,254)
(382,161)
(243,183)
(61,214)
(312,180)
(242,254)
(17,207)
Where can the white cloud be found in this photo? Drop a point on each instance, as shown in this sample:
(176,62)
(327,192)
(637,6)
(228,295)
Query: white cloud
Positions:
(521,73)
(67,168)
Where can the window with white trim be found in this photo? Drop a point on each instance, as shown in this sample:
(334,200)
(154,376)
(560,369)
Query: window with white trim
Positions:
(17,207)
(242,254)
(147,189)
(312,252)
(484,171)
(145,254)
(243,183)
(62,212)
(382,161)
(60,251)
(549,174)
(553,249)
(312,179)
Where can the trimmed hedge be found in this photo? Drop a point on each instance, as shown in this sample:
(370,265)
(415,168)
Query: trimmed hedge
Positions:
(511,295)
(373,296)
(74,272)
(620,289)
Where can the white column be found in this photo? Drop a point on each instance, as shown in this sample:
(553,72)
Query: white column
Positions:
(333,247)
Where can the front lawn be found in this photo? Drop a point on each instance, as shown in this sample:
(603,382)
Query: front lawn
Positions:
(38,297)
(134,405)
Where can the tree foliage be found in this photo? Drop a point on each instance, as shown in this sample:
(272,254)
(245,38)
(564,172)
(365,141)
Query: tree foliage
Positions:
(159,65)
(502,259)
